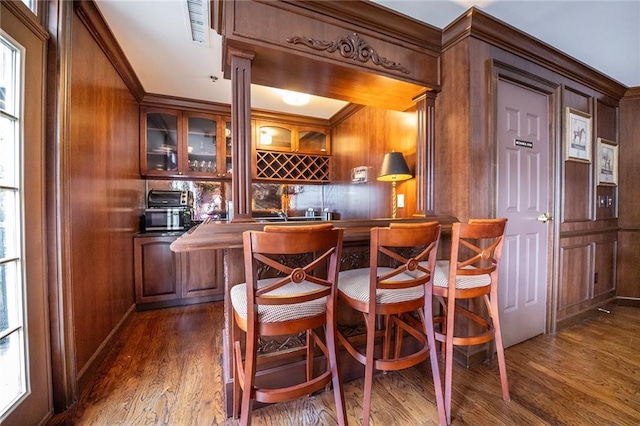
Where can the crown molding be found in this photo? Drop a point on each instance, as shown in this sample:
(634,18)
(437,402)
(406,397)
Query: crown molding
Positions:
(479,25)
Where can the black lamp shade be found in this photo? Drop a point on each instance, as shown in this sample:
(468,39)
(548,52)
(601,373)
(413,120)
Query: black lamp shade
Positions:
(394,168)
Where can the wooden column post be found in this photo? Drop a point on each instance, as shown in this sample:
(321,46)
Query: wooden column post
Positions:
(425,154)
(240,61)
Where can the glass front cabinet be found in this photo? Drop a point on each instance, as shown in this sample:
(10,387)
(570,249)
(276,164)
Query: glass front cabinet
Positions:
(208,145)
(176,143)
(291,138)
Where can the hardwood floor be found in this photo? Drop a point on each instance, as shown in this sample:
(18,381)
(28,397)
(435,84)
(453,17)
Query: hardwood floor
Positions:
(165,370)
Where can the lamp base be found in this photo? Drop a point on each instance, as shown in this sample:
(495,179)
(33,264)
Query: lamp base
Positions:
(394,200)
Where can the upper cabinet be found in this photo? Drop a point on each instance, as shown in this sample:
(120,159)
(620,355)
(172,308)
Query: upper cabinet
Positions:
(174,143)
(160,141)
(292,138)
(291,152)
(208,145)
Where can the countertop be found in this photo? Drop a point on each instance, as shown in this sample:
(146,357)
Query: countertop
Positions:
(225,235)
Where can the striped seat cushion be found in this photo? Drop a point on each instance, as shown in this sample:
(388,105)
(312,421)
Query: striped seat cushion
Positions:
(280,313)
(354,283)
(441,277)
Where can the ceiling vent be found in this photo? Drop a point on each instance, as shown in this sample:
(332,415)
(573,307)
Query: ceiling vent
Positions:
(197,12)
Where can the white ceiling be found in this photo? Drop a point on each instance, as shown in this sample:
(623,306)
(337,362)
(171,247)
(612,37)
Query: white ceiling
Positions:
(155,37)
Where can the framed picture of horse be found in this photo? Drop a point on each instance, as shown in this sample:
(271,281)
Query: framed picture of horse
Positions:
(607,162)
(578,137)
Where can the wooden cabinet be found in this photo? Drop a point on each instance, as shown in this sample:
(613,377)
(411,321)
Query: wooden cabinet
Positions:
(174,143)
(587,275)
(160,142)
(292,138)
(291,153)
(164,278)
(202,274)
(208,145)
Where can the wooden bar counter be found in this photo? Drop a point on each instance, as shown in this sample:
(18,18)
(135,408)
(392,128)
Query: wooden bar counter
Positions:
(228,237)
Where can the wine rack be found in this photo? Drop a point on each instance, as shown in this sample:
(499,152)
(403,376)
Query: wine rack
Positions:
(273,165)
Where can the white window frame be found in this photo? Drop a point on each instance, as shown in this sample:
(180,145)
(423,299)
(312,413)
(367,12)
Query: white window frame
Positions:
(20,328)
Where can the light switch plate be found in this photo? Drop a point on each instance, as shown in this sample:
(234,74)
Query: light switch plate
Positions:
(400,200)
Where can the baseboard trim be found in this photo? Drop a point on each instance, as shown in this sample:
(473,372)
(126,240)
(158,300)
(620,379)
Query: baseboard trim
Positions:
(628,301)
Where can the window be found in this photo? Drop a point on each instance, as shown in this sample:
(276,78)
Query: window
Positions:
(31,4)
(12,316)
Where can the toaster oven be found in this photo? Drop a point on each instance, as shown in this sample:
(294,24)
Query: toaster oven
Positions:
(168,198)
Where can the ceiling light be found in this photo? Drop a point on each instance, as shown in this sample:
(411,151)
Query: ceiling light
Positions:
(295,98)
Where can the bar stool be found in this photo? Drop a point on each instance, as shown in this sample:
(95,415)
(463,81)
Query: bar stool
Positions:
(471,272)
(300,298)
(396,284)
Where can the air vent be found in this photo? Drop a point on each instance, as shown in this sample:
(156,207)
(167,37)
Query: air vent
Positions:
(198,20)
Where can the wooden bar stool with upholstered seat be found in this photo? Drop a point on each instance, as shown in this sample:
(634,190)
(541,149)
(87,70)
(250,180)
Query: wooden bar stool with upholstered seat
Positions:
(300,297)
(395,285)
(471,272)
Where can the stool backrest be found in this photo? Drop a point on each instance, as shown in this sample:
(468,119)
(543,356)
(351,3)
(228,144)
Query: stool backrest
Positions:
(294,254)
(409,248)
(476,246)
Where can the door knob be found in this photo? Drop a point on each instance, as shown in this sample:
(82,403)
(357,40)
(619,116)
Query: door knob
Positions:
(544,218)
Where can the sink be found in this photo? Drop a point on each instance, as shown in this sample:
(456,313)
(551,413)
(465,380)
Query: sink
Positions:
(270,219)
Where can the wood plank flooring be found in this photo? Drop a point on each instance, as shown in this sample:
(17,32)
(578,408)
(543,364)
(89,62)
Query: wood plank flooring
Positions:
(165,370)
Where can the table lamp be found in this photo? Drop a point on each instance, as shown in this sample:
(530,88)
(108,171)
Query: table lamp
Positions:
(394,169)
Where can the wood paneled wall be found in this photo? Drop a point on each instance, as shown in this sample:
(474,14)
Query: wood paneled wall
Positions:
(104,193)
(629,217)
(474,48)
(362,139)
(453,136)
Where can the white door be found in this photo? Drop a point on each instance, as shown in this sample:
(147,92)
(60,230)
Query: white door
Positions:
(523,175)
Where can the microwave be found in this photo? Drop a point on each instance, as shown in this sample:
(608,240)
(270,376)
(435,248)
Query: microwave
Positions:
(167,219)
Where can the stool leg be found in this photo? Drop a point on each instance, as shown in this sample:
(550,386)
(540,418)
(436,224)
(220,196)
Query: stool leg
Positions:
(499,347)
(249,376)
(237,365)
(310,346)
(332,347)
(448,357)
(386,347)
(435,370)
(368,367)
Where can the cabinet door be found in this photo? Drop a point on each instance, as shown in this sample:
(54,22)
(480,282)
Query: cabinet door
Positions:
(156,267)
(202,144)
(604,282)
(224,158)
(313,141)
(160,142)
(291,138)
(202,273)
(275,137)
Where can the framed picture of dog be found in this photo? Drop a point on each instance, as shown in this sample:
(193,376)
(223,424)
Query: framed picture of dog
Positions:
(578,136)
